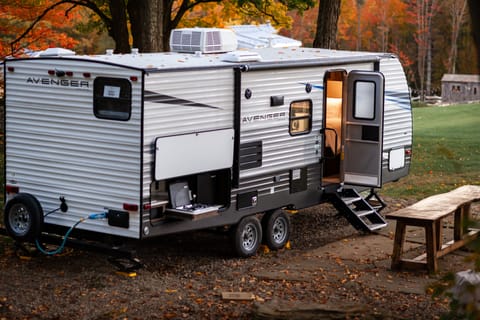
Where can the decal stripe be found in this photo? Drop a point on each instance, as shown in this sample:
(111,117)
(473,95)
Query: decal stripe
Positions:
(316,86)
(155,97)
(400,98)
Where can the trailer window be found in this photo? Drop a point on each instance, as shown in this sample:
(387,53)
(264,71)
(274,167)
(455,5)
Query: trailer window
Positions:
(112,98)
(300,117)
(364,103)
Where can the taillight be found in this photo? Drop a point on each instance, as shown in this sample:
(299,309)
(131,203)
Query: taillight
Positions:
(12,189)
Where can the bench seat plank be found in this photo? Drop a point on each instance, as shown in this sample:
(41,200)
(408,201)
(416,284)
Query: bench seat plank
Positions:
(440,205)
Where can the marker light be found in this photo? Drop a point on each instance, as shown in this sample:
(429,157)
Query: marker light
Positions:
(130,207)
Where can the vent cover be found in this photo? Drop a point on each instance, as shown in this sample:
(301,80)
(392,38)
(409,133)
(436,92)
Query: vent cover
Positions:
(205,40)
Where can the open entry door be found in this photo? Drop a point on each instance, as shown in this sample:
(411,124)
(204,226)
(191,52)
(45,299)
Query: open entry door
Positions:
(364,129)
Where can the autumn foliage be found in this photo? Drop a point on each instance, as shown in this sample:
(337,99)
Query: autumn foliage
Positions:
(56,29)
(395,26)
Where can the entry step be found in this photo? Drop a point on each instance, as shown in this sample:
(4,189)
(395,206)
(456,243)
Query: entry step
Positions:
(363,213)
(357,210)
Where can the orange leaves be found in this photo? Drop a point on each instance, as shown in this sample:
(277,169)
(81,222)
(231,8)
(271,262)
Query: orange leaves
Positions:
(54,30)
(230,13)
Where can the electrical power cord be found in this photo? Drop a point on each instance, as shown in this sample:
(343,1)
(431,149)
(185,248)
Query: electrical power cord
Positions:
(92,216)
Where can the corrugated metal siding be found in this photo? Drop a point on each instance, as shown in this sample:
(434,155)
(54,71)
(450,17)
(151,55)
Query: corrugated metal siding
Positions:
(266,185)
(55,146)
(398,115)
(398,111)
(200,100)
(281,151)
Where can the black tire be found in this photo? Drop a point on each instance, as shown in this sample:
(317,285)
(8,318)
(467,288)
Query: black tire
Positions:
(23,217)
(276,229)
(247,236)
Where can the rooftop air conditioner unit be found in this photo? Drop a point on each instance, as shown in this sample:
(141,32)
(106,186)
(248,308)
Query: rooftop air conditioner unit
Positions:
(204,40)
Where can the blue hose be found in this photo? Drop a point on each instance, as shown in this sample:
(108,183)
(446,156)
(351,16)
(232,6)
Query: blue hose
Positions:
(92,216)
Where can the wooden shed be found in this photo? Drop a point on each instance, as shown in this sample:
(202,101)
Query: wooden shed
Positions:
(460,88)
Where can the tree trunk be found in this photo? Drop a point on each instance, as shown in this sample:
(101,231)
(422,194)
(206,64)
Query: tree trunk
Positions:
(146,25)
(428,82)
(474,6)
(359,4)
(457,13)
(431,12)
(328,13)
(118,28)
(167,22)
(425,11)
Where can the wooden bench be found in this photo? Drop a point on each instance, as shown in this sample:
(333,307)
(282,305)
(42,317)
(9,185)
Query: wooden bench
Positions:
(428,214)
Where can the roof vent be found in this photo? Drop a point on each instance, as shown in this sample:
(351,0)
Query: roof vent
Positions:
(56,52)
(204,40)
(262,36)
(241,56)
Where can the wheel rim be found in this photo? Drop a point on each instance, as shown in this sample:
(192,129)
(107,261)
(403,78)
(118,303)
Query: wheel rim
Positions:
(279,231)
(19,219)
(249,237)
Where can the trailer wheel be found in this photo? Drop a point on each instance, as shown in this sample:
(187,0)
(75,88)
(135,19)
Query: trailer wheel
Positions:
(276,229)
(23,217)
(247,236)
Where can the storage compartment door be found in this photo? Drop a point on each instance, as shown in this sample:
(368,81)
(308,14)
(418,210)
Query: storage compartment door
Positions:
(364,129)
(186,154)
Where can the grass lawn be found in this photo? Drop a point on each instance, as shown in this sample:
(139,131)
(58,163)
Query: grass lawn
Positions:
(446,151)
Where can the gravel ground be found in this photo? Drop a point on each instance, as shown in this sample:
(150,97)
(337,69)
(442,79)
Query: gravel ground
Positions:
(185,275)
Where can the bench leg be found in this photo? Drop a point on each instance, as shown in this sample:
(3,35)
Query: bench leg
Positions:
(400,230)
(439,233)
(432,246)
(462,214)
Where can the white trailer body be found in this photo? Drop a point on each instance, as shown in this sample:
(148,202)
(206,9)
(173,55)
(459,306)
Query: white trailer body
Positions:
(146,138)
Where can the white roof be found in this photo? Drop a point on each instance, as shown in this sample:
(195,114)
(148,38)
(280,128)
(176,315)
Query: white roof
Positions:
(174,60)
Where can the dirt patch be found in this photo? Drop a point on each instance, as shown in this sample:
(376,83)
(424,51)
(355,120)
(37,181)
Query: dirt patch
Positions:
(185,275)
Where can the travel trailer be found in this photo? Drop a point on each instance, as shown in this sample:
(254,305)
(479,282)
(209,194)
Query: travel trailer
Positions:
(142,145)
